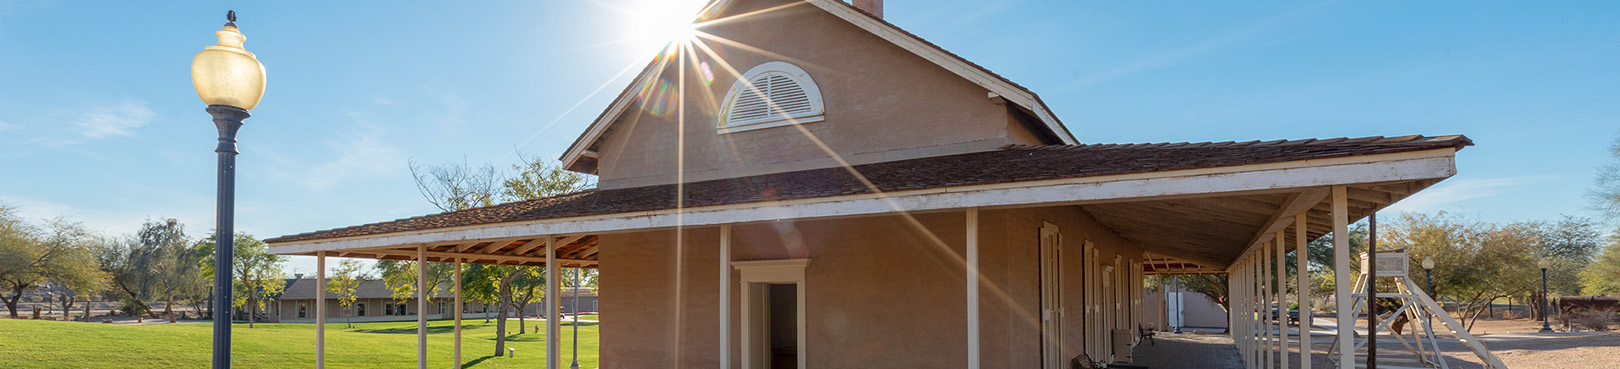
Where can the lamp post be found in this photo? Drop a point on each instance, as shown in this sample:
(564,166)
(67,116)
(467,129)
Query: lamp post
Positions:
(231,81)
(1544,326)
(1428,267)
(575,364)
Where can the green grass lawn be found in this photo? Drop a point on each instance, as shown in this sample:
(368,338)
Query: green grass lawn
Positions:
(50,344)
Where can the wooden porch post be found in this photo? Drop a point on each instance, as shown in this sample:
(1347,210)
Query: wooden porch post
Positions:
(725,296)
(421,306)
(1303,296)
(1282,300)
(1341,278)
(457,309)
(973,288)
(552,300)
(1265,304)
(320,309)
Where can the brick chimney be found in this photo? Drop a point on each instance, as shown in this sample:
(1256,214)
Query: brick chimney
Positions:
(870,6)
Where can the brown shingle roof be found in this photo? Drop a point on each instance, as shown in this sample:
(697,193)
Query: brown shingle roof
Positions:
(1012,164)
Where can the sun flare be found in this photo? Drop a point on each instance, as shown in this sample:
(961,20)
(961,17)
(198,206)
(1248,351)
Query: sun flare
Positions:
(653,24)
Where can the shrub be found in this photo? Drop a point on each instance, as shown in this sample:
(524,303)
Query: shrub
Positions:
(1597,320)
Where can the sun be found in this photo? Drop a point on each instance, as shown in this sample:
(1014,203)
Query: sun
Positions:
(652,24)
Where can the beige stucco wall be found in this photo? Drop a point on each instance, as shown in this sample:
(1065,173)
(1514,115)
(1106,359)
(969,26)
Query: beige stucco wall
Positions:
(882,103)
(881,291)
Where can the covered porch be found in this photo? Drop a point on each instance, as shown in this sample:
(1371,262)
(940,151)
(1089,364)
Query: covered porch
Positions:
(1193,214)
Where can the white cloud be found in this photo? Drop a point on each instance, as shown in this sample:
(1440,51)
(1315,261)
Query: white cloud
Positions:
(116,218)
(1271,25)
(1448,194)
(114,120)
(8,126)
(365,155)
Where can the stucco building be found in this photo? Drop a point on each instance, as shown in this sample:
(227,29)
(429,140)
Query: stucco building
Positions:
(803,184)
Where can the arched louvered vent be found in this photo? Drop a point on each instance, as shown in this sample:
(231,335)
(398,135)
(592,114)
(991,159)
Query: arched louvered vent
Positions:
(771,95)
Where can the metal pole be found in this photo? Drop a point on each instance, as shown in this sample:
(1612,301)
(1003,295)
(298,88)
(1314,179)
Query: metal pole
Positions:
(1428,279)
(228,119)
(575,360)
(1372,291)
(320,310)
(1544,326)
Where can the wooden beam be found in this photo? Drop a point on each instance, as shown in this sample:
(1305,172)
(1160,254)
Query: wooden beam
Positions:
(503,258)
(527,247)
(1297,204)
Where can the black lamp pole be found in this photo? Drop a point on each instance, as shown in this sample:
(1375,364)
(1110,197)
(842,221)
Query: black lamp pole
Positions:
(228,119)
(1544,326)
(1429,279)
(575,360)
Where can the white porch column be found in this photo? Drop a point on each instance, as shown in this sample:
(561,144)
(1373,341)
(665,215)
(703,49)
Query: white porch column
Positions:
(553,307)
(1248,312)
(1303,296)
(1282,300)
(1265,305)
(1254,306)
(421,307)
(320,309)
(725,296)
(1341,278)
(973,288)
(457,309)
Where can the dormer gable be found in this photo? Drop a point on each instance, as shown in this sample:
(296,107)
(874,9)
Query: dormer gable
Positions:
(776,85)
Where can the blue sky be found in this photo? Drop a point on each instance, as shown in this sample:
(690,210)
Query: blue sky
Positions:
(99,122)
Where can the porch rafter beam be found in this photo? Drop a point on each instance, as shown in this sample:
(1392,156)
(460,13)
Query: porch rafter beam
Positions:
(451,255)
(1299,203)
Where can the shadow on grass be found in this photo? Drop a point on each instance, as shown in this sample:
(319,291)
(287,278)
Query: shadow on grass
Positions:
(409,330)
(476,361)
(517,337)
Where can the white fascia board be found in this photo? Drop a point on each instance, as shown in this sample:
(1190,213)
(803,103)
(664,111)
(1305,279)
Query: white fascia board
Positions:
(1430,164)
(620,103)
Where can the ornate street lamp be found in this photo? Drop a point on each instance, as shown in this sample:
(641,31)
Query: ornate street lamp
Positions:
(1544,326)
(231,81)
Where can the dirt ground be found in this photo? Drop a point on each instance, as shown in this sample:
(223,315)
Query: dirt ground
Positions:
(1516,342)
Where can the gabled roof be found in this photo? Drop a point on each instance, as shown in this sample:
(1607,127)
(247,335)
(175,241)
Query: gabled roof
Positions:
(1017,163)
(999,86)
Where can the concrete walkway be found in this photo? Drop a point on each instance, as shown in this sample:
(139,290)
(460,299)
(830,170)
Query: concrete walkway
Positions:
(1189,351)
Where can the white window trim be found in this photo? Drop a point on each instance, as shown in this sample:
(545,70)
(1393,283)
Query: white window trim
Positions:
(798,75)
(755,276)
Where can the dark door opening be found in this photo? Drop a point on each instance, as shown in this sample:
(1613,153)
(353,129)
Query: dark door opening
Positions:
(783,325)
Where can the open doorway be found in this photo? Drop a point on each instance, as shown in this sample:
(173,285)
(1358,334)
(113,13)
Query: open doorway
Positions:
(772,313)
(783,325)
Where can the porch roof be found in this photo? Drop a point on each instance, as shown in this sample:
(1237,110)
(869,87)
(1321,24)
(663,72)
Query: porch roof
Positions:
(1011,167)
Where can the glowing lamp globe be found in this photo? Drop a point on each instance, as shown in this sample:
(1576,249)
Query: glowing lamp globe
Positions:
(226,74)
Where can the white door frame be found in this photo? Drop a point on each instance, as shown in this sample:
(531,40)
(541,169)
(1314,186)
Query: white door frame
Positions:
(756,275)
(1051,269)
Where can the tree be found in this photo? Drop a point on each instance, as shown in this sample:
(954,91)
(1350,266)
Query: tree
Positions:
(456,186)
(529,284)
(61,255)
(460,186)
(345,280)
(400,276)
(1605,193)
(1602,276)
(537,179)
(170,263)
(256,273)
